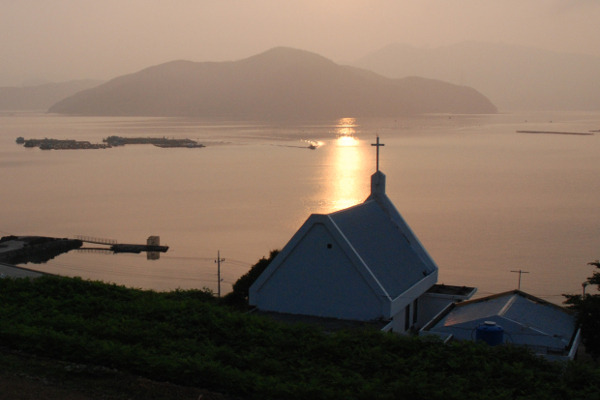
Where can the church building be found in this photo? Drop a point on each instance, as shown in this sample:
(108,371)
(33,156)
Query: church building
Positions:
(362,263)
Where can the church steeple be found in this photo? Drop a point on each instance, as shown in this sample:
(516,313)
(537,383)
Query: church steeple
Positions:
(377,183)
(378,178)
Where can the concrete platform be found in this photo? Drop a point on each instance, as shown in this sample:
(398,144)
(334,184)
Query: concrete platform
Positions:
(12,271)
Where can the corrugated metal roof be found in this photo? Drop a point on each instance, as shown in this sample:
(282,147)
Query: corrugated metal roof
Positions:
(526,320)
(543,317)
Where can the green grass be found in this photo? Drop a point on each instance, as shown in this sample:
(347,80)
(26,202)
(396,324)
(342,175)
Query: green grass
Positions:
(188,338)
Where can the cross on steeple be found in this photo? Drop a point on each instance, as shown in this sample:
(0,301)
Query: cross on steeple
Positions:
(378,145)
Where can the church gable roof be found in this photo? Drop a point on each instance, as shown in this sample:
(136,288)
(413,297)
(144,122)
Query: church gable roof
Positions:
(393,254)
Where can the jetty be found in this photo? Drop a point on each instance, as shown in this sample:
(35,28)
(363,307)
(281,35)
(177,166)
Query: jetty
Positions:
(153,248)
(40,249)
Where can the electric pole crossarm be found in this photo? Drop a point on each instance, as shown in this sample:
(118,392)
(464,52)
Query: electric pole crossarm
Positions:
(520,272)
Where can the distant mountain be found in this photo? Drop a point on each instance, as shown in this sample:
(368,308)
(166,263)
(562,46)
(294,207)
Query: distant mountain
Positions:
(281,83)
(513,77)
(40,97)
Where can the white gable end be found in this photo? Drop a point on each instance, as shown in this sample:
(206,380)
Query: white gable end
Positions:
(317,274)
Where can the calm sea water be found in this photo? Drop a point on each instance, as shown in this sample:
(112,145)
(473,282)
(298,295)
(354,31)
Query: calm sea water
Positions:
(483,199)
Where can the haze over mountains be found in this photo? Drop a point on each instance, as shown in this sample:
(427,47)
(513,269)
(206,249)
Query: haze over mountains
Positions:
(288,83)
(513,77)
(41,97)
(281,83)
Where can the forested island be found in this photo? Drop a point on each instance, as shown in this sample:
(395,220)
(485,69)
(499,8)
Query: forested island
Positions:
(279,84)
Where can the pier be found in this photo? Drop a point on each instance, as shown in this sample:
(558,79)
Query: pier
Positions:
(152,246)
(40,249)
(95,240)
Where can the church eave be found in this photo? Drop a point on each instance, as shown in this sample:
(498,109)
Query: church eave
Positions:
(415,291)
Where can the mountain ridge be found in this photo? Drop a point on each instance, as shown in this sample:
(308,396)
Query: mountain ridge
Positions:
(280,83)
(513,77)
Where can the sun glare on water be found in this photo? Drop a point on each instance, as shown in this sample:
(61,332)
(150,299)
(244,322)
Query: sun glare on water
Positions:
(347,141)
(348,160)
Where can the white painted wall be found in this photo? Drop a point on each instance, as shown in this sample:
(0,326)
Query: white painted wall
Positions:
(317,278)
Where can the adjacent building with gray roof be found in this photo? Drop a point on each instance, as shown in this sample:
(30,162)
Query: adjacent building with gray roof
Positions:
(545,328)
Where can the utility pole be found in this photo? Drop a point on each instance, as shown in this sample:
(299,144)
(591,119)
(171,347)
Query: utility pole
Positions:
(520,273)
(583,285)
(219,260)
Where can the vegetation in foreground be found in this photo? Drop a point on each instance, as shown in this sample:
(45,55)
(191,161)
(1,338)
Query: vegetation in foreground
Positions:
(587,307)
(187,338)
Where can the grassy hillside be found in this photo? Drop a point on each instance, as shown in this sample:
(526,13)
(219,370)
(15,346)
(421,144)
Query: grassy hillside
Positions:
(188,338)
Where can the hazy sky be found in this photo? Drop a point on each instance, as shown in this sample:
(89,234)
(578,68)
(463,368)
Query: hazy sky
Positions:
(58,40)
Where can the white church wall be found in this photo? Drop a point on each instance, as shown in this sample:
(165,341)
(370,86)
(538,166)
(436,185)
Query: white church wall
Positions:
(318,278)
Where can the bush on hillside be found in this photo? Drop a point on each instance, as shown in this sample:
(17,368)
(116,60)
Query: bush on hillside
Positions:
(241,288)
(588,314)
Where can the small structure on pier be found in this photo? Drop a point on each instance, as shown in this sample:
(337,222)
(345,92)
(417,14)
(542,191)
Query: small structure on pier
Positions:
(152,246)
